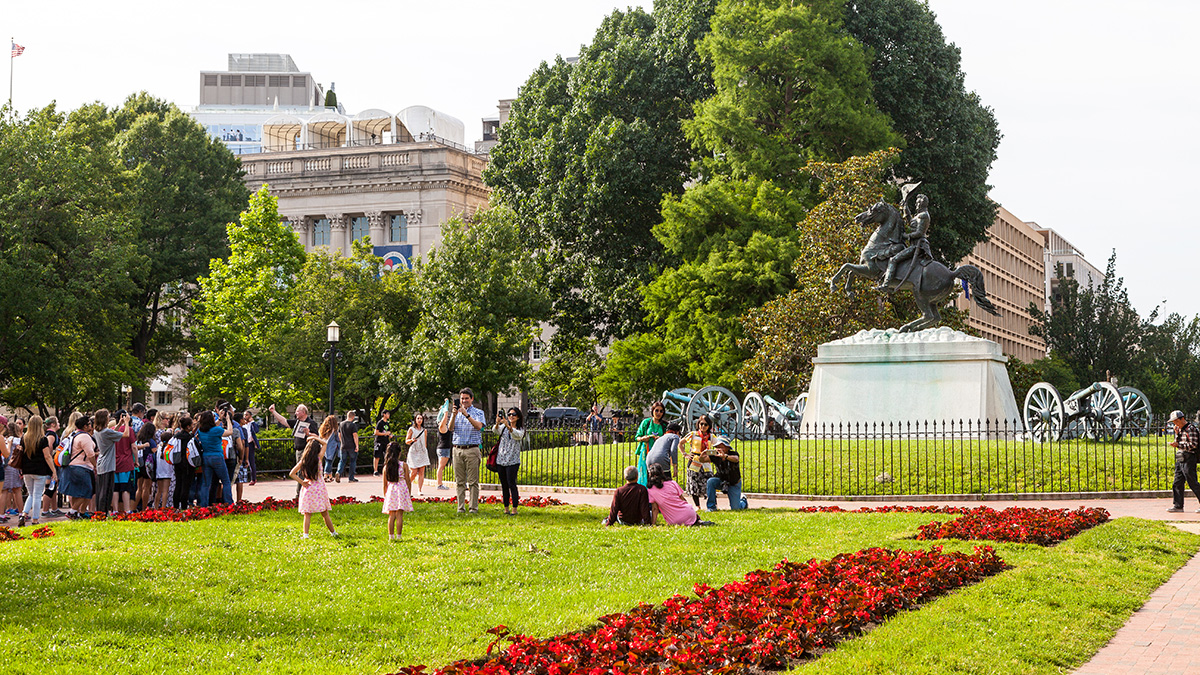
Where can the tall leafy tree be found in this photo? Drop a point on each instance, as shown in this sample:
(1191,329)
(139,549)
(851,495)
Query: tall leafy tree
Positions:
(180,188)
(1093,327)
(790,88)
(482,294)
(950,136)
(568,374)
(67,246)
(589,150)
(249,309)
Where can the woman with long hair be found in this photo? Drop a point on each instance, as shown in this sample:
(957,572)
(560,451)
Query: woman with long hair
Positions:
(37,465)
(511,427)
(397,490)
(185,473)
(418,452)
(649,431)
(667,501)
(146,448)
(12,474)
(328,433)
(699,466)
(314,498)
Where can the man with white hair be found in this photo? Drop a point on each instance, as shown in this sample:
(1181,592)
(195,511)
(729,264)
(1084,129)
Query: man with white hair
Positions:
(1187,439)
(302,427)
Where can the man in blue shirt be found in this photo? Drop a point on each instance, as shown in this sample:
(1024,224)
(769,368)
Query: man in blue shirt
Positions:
(468,420)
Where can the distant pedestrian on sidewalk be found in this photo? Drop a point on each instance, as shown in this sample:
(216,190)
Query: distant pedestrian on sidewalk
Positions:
(595,425)
(348,445)
(1187,439)
(397,490)
(418,452)
(302,426)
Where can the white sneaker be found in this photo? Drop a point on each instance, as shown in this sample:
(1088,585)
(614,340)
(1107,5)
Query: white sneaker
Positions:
(304,536)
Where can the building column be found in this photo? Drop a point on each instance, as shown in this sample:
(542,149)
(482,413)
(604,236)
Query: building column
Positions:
(378,227)
(299,225)
(414,230)
(338,234)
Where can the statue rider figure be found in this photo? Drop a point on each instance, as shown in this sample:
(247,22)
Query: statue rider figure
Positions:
(917,239)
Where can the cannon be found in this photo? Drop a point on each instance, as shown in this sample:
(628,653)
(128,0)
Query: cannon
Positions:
(766,416)
(1096,412)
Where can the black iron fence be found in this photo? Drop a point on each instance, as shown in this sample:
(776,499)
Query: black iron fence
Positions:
(860,459)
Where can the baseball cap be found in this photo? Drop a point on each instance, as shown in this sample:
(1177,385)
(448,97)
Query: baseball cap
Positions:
(719,441)
(1175,415)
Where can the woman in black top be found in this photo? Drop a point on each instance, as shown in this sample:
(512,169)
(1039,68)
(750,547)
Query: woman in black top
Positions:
(445,446)
(185,474)
(38,468)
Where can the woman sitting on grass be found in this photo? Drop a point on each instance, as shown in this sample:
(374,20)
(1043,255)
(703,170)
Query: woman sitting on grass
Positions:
(666,499)
(313,496)
(397,490)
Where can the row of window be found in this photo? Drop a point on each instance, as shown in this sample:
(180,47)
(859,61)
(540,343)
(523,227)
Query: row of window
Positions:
(397,229)
(212,80)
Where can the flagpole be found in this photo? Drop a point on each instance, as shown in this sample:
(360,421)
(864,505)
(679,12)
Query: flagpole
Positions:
(11,41)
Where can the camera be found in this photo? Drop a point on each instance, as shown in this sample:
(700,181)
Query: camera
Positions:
(120,413)
(225,406)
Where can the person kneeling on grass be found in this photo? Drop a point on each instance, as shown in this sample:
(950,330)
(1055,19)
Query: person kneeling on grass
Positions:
(314,498)
(397,490)
(729,475)
(631,502)
(668,501)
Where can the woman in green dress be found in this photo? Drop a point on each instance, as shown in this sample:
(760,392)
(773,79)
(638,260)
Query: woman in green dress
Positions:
(648,431)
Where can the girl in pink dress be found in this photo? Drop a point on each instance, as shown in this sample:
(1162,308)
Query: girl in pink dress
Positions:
(396,485)
(313,496)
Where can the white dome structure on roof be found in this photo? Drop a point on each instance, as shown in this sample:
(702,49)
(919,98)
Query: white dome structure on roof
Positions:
(423,120)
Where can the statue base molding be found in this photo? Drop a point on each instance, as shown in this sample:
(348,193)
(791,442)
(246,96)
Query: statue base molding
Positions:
(937,375)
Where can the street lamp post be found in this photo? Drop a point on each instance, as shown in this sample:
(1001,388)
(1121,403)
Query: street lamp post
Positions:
(332,334)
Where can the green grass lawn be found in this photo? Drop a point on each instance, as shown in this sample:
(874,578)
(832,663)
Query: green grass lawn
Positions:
(851,465)
(246,594)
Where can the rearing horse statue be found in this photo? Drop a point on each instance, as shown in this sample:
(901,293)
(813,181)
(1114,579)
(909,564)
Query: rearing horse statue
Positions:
(930,281)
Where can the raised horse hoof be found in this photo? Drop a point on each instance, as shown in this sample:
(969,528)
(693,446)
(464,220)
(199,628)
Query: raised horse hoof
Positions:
(884,288)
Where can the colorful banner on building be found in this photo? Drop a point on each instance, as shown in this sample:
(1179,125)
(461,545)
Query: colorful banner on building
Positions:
(395,256)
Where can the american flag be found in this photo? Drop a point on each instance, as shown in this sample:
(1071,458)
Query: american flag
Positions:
(17,49)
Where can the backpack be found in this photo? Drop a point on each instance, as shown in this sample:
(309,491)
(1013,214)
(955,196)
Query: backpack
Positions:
(170,451)
(228,448)
(62,453)
(193,451)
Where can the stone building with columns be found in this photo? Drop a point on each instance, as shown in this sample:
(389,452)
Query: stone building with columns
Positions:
(396,194)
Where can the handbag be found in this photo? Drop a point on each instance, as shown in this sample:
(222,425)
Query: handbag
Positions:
(491,458)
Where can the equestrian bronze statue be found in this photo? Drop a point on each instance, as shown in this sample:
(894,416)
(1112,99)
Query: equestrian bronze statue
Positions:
(898,259)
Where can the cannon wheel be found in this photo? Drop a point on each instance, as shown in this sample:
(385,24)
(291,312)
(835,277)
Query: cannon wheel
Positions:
(754,413)
(675,408)
(1109,408)
(1137,413)
(1043,413)
(799,406)
(720,404)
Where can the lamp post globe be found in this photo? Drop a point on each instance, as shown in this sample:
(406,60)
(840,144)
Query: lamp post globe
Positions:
(333,335)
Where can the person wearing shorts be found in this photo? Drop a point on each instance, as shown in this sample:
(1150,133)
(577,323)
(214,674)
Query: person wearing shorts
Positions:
(445,444)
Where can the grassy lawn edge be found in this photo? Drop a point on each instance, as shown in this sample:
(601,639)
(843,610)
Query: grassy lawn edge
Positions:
(1050,613)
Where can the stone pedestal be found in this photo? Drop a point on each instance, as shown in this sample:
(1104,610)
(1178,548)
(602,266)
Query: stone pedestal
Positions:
(936,375)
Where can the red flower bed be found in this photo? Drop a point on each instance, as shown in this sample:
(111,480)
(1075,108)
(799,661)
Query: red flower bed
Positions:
(769,620)
(1027,526)
(885,509)
(9,534)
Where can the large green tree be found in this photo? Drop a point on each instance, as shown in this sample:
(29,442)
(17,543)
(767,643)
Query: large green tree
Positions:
(66,245)
(790,88)
(589,150)
(950,136)
(482,294)
(180,187)
(249,310)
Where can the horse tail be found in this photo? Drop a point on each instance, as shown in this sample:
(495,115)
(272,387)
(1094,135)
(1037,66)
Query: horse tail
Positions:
(974,279)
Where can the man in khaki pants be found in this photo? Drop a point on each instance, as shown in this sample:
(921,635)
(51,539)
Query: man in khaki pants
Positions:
(468,420)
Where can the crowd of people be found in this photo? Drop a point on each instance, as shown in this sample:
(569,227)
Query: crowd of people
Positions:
(142,459)
(125,461)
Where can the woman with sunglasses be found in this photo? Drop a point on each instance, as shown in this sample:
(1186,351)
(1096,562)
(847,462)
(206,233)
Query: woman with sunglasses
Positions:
(511,428)
(649,431)
(699,465)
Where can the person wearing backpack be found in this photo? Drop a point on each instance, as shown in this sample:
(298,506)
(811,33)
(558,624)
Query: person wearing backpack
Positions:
(185,474)
(12,471)
(79,466)
(37,465)
(164,471)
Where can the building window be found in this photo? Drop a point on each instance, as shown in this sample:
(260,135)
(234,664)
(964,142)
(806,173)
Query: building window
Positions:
(321,232)
(162,398)
(536,353)
(399,229)
(359,227)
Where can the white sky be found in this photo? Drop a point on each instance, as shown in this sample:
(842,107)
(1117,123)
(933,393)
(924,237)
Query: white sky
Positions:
(1094,98)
